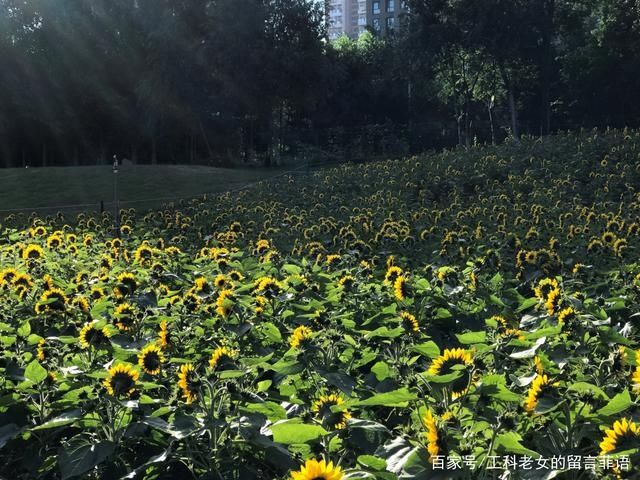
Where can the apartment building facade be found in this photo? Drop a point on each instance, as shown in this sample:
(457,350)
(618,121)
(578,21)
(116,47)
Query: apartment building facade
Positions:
(384,16)
(346,17)
(351,17)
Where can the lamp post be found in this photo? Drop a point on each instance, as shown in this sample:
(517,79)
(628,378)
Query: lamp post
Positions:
(115,196)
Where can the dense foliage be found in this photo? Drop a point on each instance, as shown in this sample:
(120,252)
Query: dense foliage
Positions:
(185,81)
(358,322)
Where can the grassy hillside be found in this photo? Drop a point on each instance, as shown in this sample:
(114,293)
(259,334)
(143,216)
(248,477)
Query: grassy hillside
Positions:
(52,186)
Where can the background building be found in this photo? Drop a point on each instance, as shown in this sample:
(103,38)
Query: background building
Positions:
(351,17)
(384,16)
(346,16)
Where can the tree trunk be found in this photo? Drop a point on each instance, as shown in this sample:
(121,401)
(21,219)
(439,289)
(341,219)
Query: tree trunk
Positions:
(493,132)
(508,84)
(546,65)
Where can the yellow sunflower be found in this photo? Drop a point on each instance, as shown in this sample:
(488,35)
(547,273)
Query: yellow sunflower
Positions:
(410,322)
(318,470)
(187,381)
(151,359)
(163,335)
(300,337)
(225,303)
(40,351)
(623,435)
(121,380)
(433,438)
(221,355)
(90,336)
(635,378)
(32,252)
(125,316)
(53,300)
(400,288)
(540,385)
(143,254)
(443,365)
(322,408)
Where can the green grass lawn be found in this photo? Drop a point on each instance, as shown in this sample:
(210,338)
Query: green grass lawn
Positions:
(55,186)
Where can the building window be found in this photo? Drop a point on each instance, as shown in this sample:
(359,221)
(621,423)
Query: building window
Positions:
(391,6)
(376,25)
(376,7)
(391,22)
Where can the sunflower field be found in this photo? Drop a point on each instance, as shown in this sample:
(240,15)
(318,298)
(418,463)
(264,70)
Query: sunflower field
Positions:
(467,314)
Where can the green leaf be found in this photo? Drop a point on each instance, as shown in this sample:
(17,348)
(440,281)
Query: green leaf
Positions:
(24,330)
(35,372)
(529,352)
(289,432)
(528,303)
(384,332)
(618,404)
(443,313)
(582,387)
(381,371)
(509,442)
(271,332)
(472,337)
(81,456)
(271,410)
(397,398)
(429,349)
(372,462)
(65,418)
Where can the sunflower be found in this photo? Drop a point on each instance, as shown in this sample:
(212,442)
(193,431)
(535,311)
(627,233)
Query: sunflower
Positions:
(540,385)
(9,274)
(150,359)
(188,382)
(236,276)
(262,246)
(201,285)
(124,316)
(221,281)
(268,287)
(32,252)
(220,356)
(443,365)
(545,287)
(225,303)
(566,315)
(90,336)
(608,238)
(121,380)
(40,350)
(127,284)
(400,288)
(300,337)
(81,303)
(347,282)
(54,241)
(97,293)
(322,408)
(623,435)
(143,254)
(163,335)
(433,437)
(393,272)
(318,470)
(53,300)
(410,322)
(191,302)
(552,301)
